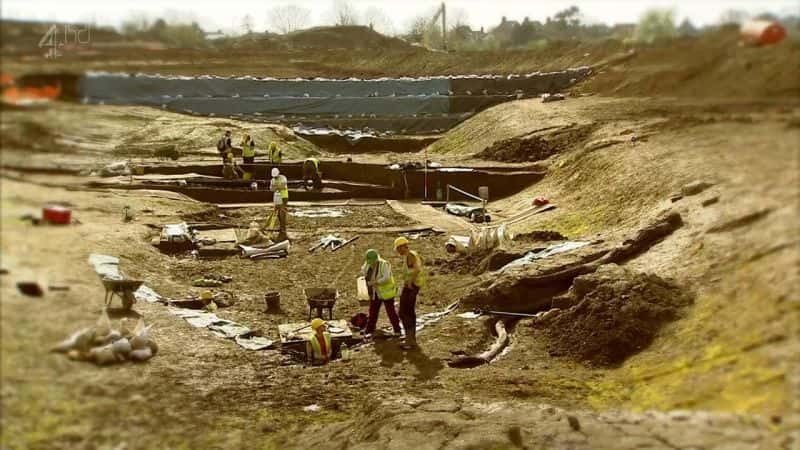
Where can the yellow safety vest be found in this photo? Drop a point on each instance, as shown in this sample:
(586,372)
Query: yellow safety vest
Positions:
(284,190)
(274,154)
(248,149)
(387,290)
(422,276)
(316,349)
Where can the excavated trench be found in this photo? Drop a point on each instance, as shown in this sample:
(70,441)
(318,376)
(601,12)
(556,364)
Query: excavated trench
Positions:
(341,180)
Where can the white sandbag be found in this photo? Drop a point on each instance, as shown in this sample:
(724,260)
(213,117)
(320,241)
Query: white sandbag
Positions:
(122,346)
(103,355)
(141,355)
(79,340)
(125,327)
(141,336)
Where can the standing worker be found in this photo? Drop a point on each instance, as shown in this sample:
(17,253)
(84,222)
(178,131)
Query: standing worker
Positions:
(248,149)
(275,155)
(318,346)
(279,185)
(382,290)
(311,173)
(414,278)
(224,146)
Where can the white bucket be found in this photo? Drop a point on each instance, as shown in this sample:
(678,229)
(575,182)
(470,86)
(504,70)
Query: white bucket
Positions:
(363,292)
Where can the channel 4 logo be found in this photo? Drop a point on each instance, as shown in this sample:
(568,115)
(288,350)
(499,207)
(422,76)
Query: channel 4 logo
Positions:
(73,35)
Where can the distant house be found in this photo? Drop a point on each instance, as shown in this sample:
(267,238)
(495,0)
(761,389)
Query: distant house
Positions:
(463,34)
(505,31)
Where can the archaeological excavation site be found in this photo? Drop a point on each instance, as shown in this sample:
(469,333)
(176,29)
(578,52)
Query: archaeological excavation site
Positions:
(349,238)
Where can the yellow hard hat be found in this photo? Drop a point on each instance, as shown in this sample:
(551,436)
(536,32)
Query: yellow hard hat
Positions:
(316,323)
(400,241)
(206,295)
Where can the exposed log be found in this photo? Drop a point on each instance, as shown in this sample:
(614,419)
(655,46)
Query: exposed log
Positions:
(466,362)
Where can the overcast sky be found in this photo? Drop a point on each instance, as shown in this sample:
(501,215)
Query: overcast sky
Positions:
(227,14)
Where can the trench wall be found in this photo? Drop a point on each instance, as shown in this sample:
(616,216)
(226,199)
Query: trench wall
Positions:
(357,180)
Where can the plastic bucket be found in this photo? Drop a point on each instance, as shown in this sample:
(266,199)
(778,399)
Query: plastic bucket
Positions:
(362,291)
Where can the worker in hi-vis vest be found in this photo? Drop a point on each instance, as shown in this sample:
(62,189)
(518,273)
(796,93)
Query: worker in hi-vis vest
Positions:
(382,290)
(414,279)
(275,154)
(312,176)
(319,349)
(279,185)
(248,149)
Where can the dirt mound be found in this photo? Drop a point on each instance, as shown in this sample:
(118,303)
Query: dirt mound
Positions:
(476,264)
(616,313)
(711,65)
(343,37)
(536,146)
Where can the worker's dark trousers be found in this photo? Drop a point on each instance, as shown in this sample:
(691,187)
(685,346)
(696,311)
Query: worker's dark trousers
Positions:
(375,308)
(282,217)
(408,313)
(248,159)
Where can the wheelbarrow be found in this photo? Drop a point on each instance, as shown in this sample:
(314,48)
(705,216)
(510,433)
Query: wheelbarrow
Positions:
(123,289)
(320,299)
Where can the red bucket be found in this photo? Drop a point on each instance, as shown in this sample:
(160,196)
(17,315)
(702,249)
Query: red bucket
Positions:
(57,214)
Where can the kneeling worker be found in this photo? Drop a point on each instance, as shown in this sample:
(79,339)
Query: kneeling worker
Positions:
(318,346)
(311,173)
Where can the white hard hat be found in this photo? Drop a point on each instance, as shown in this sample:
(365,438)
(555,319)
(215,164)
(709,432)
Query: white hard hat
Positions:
(275,172)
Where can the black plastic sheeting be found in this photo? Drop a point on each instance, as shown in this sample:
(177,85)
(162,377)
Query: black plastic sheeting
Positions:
(333,106)
(421,105)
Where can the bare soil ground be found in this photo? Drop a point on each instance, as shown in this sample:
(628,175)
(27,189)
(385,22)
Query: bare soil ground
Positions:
(721,372)
(203,391)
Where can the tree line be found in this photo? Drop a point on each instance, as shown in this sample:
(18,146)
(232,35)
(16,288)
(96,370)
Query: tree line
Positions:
(567,24)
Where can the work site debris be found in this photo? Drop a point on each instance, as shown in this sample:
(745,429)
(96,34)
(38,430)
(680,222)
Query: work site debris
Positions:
(474,213)
(252,340)
(104,345)
(116,169)
(332,243)
(278,250)
(549,251)
(174,238)
(328,241)
(547,98)
(318,212)
(242,335)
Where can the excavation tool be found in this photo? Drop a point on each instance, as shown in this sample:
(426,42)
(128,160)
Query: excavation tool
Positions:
(501,313)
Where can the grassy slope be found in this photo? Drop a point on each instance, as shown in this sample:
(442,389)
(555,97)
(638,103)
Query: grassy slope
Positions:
(701,361)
